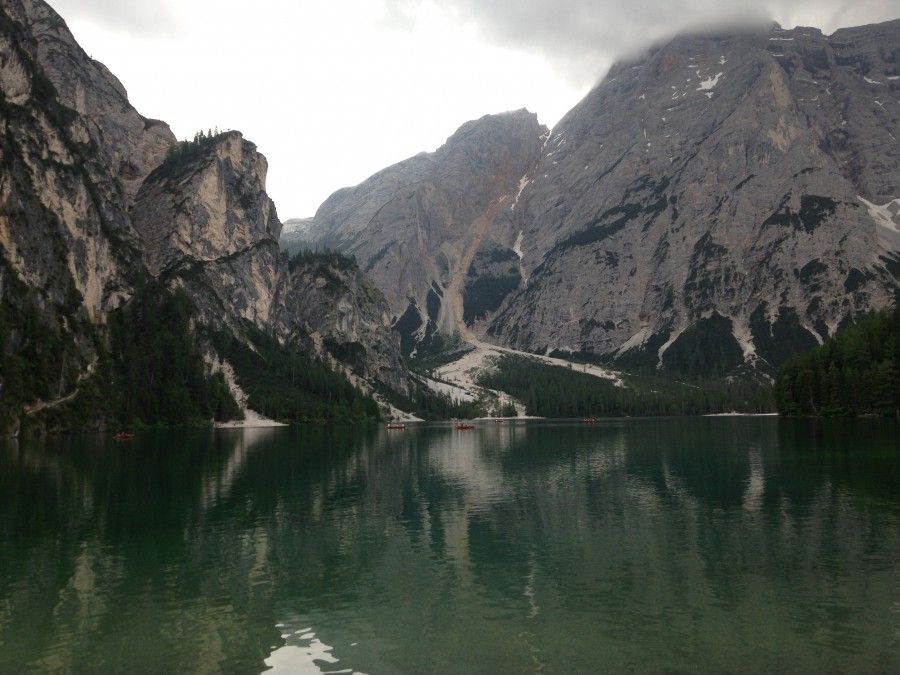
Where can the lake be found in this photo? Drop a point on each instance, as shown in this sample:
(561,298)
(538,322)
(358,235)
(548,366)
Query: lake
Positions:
(706,544)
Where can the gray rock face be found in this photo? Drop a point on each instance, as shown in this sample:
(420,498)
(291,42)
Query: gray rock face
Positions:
(130,145)
(208,226)
(334,307)
(719,203)
(295,235)
(721,186)
(69,252)
(208,204)
(415,227)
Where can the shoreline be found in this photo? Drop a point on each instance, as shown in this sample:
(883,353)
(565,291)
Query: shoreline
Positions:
(250,424)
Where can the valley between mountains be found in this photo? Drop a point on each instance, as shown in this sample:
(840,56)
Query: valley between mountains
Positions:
(712,209)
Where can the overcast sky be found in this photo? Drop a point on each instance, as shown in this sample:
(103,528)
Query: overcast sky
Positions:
(333,90)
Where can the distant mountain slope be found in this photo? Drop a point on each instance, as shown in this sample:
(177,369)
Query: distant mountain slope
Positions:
(716,205)
(415,226)
(295,235)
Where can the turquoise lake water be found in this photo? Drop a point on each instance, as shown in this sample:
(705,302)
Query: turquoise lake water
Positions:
(677,545)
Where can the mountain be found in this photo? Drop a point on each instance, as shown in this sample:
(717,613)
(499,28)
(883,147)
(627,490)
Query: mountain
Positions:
(72,150)
(416,227)
(712,204)
(120,245)
(295,234)
(208,226)
(712,208)
(715,206)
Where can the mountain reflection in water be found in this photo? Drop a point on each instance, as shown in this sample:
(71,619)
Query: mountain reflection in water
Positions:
(712,544)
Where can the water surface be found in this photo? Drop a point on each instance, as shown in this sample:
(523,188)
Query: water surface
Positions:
(720,545)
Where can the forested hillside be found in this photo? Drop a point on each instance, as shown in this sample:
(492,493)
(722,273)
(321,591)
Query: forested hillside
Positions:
(150,372)
(856,372)
(553,391)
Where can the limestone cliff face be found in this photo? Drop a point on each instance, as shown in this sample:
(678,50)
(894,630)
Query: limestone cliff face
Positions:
(207,202)
(68,252)
(415,227)
(70,158)
(130,145)
(722,190)
(333,305)
(208,226)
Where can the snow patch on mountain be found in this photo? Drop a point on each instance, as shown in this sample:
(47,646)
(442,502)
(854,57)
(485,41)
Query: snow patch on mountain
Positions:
(887,222)
(710,82)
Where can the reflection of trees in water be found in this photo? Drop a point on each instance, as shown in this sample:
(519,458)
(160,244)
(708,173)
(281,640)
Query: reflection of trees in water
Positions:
(125,536)
(689,524)
(100,532)
(632,527)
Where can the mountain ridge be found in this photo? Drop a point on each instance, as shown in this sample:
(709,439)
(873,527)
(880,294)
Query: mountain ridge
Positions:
(732,192)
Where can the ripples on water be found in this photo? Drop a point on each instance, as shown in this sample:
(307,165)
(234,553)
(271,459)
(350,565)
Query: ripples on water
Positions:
(638,545)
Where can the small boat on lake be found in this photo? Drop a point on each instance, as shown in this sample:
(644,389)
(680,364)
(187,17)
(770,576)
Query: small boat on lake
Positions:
(123,436)
(464,426)
(396,426)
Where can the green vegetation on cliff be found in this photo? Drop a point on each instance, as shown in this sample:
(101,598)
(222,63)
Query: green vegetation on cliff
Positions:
(430,405)
(155,365)
(44,344)
(150,372)
(287,385)
(322,258)
(149,368)
(856,372)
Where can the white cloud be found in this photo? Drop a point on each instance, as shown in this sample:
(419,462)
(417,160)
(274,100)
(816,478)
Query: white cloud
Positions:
(581,37)
(133,16)
(330,92)
(334,90)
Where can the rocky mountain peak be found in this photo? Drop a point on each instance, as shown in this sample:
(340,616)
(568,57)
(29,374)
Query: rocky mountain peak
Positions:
(206,201)
(714,182)
(734,190)
(132,145)
(415,226)
(104,215)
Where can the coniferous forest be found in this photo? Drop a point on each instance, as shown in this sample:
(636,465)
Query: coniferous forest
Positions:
(150,372)
(856,372)
(555,391)
(430,405)
(289,386)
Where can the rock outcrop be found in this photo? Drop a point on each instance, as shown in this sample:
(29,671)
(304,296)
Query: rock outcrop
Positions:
(69,252)
(326,301)
(208,226)
(208,201)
